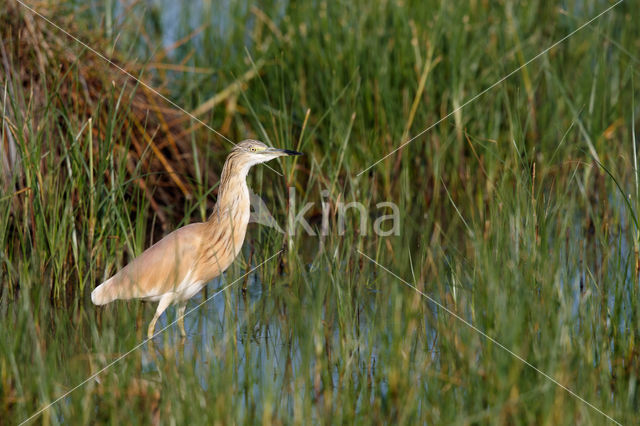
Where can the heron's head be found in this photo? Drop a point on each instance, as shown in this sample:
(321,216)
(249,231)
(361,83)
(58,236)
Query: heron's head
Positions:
(249,153)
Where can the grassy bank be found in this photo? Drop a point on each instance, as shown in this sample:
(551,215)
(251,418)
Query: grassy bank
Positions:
(518,213)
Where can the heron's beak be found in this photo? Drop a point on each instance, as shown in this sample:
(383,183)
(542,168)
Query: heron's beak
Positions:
(281,152)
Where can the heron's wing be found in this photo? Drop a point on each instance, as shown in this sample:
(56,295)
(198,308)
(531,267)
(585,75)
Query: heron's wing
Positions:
(162,267)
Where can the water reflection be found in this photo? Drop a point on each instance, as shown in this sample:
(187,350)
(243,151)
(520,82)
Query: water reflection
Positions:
(207,326)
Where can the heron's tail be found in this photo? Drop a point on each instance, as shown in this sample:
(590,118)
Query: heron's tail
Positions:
(105,292)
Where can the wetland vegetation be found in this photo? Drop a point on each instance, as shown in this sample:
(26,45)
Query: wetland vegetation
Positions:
(518,212)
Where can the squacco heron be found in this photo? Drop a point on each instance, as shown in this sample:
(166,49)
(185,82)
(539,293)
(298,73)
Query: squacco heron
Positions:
(178,266)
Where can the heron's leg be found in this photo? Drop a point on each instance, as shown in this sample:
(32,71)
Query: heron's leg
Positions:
(164,303)
(180,317)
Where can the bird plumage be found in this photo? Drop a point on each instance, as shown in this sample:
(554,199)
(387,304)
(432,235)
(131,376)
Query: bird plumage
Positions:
(178,266)
(157,271)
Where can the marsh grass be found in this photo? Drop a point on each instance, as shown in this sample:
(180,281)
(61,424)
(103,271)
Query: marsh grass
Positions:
(517,214)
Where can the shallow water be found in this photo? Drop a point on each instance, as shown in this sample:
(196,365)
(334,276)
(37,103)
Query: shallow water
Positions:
(205,323)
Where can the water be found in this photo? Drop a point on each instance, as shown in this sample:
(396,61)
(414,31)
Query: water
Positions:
(206,325)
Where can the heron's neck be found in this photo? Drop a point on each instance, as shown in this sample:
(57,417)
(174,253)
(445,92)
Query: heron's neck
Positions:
(230,216)
(233,193)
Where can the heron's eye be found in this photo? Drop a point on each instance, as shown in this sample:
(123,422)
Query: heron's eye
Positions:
(253,149)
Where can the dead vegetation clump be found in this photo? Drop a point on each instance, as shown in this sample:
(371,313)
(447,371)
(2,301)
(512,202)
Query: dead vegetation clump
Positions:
(41,68)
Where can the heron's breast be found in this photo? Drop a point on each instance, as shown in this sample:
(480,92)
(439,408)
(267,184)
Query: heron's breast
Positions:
(224,244)
(189,287)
